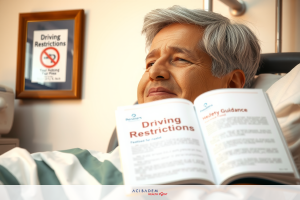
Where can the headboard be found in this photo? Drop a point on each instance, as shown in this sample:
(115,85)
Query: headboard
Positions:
(278,62)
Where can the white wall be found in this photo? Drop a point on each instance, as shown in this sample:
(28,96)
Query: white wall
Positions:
(114,54)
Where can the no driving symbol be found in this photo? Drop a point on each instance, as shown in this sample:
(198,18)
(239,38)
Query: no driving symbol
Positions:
(49,57)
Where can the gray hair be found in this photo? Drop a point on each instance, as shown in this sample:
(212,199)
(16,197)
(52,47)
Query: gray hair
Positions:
(231,46)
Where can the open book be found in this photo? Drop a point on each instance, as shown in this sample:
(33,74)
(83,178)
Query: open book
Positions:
(227,135)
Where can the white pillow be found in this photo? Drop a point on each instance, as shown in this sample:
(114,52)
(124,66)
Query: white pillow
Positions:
(284,95)
(265,81)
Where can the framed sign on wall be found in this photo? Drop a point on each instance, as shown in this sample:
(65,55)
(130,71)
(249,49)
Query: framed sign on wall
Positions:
(49,61)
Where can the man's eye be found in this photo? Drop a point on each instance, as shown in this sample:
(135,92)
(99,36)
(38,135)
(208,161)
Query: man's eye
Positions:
(149,64)
(183,60)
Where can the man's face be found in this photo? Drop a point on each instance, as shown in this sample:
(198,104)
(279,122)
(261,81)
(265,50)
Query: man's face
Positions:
(176,67)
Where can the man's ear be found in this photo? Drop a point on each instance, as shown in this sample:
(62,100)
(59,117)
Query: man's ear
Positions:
(236,79)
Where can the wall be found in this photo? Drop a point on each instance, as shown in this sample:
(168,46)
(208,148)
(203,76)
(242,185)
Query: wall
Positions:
(114,54)
(260,17)
(291,26)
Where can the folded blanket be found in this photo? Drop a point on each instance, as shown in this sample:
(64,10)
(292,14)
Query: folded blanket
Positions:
(70,167)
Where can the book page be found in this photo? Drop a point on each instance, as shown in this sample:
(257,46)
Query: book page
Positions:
(160,142)
(241,134)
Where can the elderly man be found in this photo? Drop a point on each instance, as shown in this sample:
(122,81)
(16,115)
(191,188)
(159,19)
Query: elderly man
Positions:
(191,52)
(194,51)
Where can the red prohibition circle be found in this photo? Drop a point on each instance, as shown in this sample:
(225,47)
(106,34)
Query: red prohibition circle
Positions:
(54,62)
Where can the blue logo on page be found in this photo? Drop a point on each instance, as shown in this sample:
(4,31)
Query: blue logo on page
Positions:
(206,107)
(133,117)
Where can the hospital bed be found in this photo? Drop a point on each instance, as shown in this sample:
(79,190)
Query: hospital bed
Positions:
(271,63)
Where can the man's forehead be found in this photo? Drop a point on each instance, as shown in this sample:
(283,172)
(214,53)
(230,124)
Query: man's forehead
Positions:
(177,38)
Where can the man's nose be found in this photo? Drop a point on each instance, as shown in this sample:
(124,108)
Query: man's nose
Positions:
(159,71)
